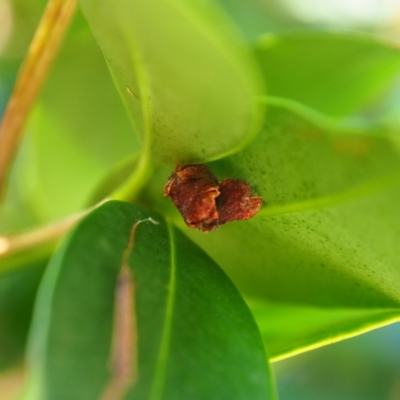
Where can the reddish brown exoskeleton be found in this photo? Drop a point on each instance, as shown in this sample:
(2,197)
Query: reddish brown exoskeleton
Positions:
(236,202)
(206,204)
(193,189)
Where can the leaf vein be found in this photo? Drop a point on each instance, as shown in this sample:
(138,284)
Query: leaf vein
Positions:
(161,366)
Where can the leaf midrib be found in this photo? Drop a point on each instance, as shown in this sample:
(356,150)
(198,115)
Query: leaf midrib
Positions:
(162,359)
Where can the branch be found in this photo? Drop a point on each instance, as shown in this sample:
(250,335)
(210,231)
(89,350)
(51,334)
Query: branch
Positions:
(13,244)
(33,71)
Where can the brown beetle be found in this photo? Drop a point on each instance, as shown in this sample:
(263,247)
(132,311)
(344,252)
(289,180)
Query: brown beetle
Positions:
(206,204)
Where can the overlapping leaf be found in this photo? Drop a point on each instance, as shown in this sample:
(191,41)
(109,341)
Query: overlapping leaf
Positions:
(327,233)
(327,236)
(290,329)
(194,330)
(186,79)
(78,131)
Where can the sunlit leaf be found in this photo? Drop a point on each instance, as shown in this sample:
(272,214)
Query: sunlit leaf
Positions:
(186,78)
(327,233)
(339,179)
(77,132)
(289,329)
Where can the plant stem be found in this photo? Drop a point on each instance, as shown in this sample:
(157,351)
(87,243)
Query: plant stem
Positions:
(13,244)
(39,237)
(55,20)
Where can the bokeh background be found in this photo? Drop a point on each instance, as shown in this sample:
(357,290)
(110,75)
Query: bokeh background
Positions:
(366,367)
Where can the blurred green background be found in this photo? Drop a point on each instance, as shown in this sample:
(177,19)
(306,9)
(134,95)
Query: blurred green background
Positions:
(362,368)
(365,367)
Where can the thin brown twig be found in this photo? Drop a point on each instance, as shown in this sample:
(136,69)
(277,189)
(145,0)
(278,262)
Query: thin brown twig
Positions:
(43,48)
(13,244)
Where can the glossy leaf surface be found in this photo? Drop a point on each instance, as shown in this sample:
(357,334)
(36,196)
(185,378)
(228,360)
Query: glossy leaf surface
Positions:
(194,330)
(198,108)
(289,329)
(326,235)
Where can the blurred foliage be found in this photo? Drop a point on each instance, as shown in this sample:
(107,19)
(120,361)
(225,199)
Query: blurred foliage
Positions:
(17,293)
(363,368)
(140,86)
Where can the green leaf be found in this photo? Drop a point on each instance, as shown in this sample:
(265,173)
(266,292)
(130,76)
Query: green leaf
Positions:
(325,174)
(328,230)
(115,178)
(335,73)
(291,329)
(17,293)
(77,132)
(186,79)
(196,337)
(302,160)
(26,258)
